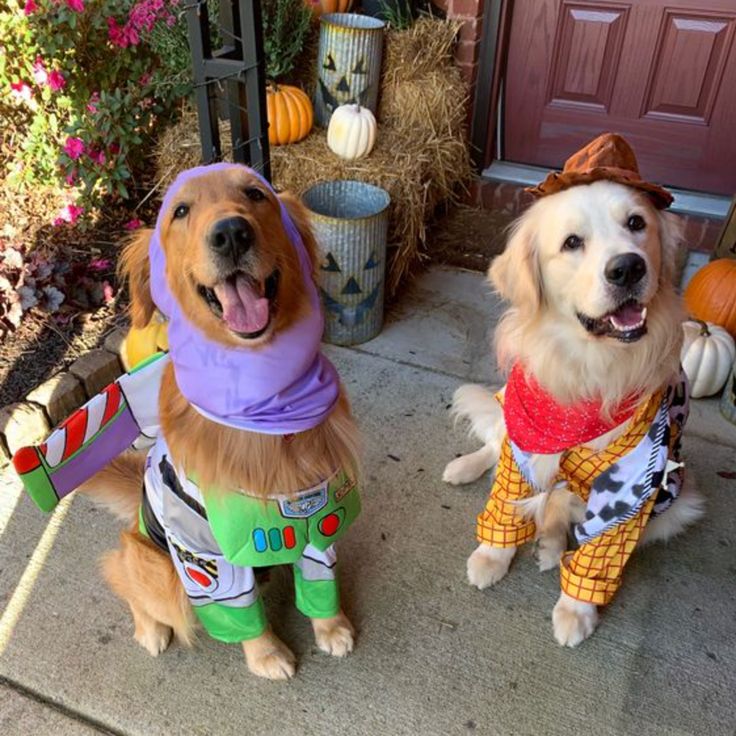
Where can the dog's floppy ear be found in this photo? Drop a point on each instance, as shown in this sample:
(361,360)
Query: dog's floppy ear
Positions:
(133,267)
(515,274)
(299,215)
(670,235)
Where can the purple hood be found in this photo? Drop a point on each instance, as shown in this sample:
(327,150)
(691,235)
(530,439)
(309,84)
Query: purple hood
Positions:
(283,387)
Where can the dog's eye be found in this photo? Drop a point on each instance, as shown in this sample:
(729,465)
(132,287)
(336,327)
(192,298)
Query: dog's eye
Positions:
(636,223)
(572,242)
(181,211)
(254,194)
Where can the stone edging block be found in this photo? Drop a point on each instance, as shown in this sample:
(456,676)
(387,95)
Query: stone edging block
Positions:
(59,396)
(23,423)
(95,370)
(114,341)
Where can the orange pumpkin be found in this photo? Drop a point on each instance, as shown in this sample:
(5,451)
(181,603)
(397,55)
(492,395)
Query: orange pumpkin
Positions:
(711,294)
(328,6)
(290,114)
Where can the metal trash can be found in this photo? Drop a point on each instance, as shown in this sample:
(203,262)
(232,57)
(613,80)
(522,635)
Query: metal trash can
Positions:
(348,63)
(728,398)
(350,221)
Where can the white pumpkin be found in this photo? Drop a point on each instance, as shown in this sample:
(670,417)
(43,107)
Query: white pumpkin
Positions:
(352,131)
(707,357)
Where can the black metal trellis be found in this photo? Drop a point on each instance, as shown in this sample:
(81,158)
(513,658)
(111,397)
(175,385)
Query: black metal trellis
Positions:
(234,74)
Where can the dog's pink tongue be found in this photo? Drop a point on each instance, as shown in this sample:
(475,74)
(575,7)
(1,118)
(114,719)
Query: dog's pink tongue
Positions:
(243,309)
(628,315)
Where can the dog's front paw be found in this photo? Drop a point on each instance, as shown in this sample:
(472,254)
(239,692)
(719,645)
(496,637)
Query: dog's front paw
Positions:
(334,636)
(573,621)
(487,565)
(154,637)
(462,470)
(267,656)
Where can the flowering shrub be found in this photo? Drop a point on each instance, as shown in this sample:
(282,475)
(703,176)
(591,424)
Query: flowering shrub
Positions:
(81,85)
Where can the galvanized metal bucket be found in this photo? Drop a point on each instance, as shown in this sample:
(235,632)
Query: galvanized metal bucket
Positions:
(350,221)
(728,398)
(348,63)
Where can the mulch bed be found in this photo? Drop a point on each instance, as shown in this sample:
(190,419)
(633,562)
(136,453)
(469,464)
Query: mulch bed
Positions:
(43,344)
(40,348)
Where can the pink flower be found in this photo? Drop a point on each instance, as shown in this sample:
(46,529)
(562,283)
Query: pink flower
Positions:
(74,147)
(100,264)
(108,292)
(71,178)
(145,79)
(97,157)
(76,5)
(30,7)
(39,72)
(133,224)
(56,81)
(21,90)
(92,104)
(69,214)
(116,34)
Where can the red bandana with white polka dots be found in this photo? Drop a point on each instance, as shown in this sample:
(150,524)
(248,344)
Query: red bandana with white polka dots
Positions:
(537,423)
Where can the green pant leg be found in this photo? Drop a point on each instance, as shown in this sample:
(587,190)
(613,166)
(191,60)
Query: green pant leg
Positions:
(233,624)
(316,598)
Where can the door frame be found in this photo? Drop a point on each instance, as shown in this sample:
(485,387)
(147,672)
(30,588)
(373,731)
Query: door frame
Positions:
(492,56)
(486,129)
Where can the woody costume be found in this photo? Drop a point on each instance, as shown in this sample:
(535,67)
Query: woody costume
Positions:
(636,477)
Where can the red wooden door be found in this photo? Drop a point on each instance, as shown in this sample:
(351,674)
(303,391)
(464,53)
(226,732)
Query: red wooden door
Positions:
(660,72)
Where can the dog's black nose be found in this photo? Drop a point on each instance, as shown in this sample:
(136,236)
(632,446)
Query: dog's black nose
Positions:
(231,237)
(626,270)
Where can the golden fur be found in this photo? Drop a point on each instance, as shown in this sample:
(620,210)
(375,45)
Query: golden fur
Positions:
(219,456)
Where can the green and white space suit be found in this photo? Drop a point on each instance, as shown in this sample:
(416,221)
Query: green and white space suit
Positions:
(218,540)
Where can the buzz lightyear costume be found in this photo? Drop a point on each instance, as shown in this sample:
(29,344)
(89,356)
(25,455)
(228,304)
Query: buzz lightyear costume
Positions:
(217,540)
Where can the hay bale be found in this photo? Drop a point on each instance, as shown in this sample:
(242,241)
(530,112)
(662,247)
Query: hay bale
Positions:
(421,156)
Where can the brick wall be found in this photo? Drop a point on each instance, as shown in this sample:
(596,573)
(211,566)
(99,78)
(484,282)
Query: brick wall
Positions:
(470,12)
(699,233)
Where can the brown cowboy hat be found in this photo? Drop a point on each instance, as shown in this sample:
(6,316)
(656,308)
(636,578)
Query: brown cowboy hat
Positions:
(608,157)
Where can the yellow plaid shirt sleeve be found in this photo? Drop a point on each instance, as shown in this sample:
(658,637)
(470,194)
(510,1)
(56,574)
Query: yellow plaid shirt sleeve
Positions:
(499,524)
(592,573)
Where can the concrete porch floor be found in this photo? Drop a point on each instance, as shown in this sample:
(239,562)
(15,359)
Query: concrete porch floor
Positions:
(434,656)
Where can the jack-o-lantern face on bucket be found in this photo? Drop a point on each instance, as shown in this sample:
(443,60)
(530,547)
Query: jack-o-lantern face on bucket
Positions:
(350,222)
(348,63)
(350,293)
(340,87)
